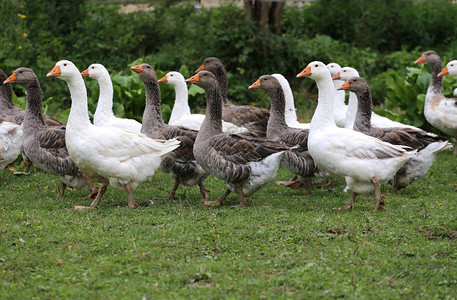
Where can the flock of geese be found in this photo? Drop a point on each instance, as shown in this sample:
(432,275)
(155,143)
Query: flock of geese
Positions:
(241,145)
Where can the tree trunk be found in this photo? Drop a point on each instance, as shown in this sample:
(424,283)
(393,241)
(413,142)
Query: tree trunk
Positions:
(266,14)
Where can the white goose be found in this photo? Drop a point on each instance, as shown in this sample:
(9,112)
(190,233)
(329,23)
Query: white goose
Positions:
(11,137)
(290,111)
(109,155)
(364,161)
(339,107)
(377,121)
(439,111)
(181,115)
(450,69)
(104,116)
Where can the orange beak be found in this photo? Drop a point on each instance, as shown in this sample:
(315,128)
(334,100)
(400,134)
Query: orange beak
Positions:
(305,73)
(420,60)
(194,79)
(85,73)
(344,86)
(201,68)
(163,79)
(337,76)
(255,85)
(55,72)
(137,69)
(10,79)
(444,72)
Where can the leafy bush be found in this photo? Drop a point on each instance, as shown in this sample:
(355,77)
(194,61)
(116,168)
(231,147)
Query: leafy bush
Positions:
(173,36)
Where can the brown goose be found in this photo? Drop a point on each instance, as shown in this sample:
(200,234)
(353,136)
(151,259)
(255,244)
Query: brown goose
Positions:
(45,145)
(253,118)
(245,164)
(297,160)
(439,111)
(180,163)
(427,145)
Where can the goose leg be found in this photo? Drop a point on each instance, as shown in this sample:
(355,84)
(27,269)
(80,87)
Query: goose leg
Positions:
(395,185)
(350,203)
(171,196)
(291,184)
(132,204)
(28,165)
(219,201)
(240,193)
(61,191)
(380,203)
(309,187)
(93,189)
(94,203)
(203,192)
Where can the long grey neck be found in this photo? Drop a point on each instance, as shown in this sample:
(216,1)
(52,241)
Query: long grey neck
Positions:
(436,83)
(6,95)
(363,116)
(222,80)
(277,122)
(212,124)
(152,116)
(33,117)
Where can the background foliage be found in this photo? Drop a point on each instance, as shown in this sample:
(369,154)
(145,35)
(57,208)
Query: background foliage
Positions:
(379,38)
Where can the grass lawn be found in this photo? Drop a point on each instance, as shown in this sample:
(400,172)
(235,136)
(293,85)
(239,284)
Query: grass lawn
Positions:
(284,244)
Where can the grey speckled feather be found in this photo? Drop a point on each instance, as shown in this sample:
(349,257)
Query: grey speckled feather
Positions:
(229,157)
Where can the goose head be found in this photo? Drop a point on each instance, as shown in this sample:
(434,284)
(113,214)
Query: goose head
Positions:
(210,64)
(355,84)
(23,76)
(345,74)
(145,71)
(428,57)
(450,69)
(95,71)
(65,70)
(172,78)
(334,68)
(315,70)
(266,83)
(203,79)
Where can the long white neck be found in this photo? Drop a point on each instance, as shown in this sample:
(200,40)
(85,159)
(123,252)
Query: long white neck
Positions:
(351,112)
(79,113)
(105,100)
(323,114)
(181,107)
(340,96)
(290,113)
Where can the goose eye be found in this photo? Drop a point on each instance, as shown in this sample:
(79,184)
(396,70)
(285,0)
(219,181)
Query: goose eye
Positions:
(93,68)
(171,75)
(64,65)
(316,66)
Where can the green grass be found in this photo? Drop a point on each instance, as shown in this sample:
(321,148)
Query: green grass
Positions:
(283,245)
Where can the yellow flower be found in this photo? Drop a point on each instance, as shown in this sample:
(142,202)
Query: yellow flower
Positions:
(21,6)
(21,16)
(20,47)
(24,34)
